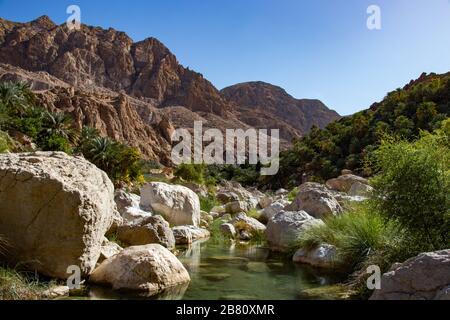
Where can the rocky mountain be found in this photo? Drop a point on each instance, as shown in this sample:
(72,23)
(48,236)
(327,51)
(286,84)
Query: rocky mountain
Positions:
(263,105)
(129,90)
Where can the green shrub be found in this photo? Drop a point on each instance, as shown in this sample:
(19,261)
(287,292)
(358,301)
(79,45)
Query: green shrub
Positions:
(293,194)
(413,186)
(208,202)
(5,142)
(56,143)
(357,235)
(191,172)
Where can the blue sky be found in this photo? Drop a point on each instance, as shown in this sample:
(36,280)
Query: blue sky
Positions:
(312,48)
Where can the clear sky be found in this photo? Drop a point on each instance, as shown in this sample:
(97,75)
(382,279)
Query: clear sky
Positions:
(313,48)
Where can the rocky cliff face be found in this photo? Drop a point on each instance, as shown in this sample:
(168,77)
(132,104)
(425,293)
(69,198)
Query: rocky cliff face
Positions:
(137,92)
(264,105)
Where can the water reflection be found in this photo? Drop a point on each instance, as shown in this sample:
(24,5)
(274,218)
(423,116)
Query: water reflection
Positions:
(242,271)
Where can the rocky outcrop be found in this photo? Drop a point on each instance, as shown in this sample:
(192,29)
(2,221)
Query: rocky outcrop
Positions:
(150,269)
(147,231)
(425,277)
(177,204)
(284,229)
(262,105)
(54,211)
(108,250)
(316,200)
(323,256)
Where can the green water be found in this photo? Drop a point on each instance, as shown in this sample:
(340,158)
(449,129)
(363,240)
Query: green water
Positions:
(243,272)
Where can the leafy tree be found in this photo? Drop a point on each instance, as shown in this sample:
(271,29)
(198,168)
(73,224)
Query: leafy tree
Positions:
(413,186)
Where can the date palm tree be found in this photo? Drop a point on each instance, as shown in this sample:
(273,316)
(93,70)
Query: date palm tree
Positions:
(60,124)
(16,96)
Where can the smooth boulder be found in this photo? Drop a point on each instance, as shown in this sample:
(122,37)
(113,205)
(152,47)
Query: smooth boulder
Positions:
(323,256)
(344,183)
(128,205)
(150,269)
(54,211)
(177,204)
(316,200)
(424,277)
(147,231)
(189,234)
(285,227)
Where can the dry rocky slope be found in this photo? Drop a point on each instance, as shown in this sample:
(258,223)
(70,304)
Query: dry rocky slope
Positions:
(137,92)
(263,105)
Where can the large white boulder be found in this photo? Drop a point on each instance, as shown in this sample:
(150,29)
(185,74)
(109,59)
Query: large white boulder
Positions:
(316,200)
(284,229)
(54,211)
(424,277)
(128,205)
(150,269)
(177,204)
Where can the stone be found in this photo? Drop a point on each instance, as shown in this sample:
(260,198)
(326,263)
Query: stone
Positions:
(128,207)
(150,268)
(236,207)
(251,225)
(225,197)
(108,250)
(359,189)
(271,210)
(189,234)
(323,256)
(424,277)
(56,292)
(316,200)
(228,230)
(54,211)
(281,192)
(285,227)
(264,202)
(147,231)
(344,183)
(177,204)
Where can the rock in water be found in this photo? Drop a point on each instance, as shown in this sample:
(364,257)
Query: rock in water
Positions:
(177,204)
(189,234)
(425,277)
(150,269)
(323,256)
(316,200)
(147,231)
(54,211)
(285,227)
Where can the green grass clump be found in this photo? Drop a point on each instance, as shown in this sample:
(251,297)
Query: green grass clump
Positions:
(293,194)
(208,202)
(15,285)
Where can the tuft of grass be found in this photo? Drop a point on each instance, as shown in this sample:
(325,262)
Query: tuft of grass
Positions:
(208,202)
(113,237)
(217,237)
(293,194)
(253,213)
(15,285)
(359,236)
